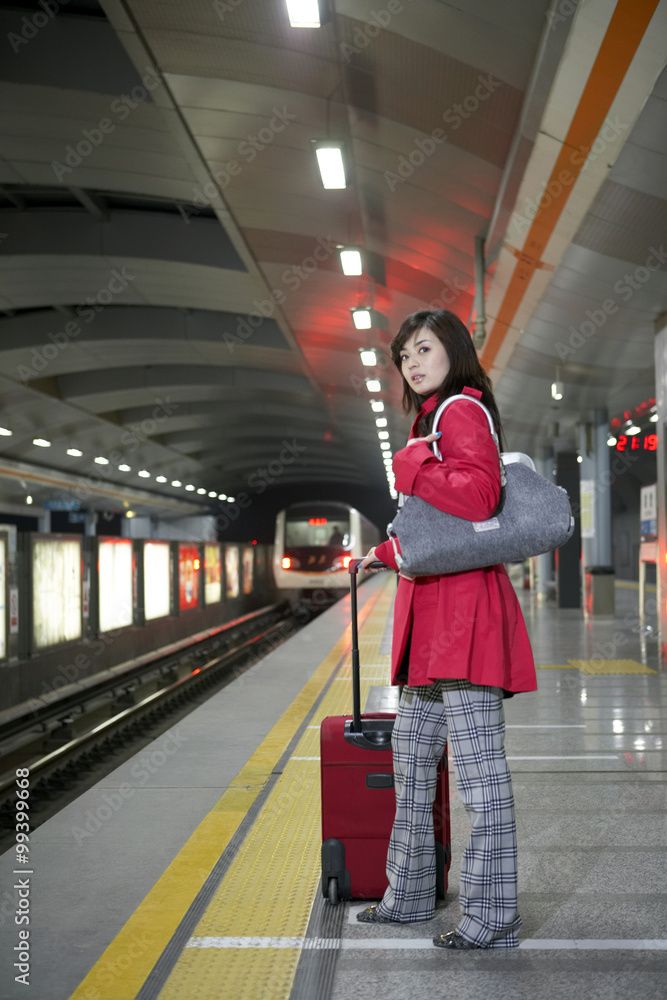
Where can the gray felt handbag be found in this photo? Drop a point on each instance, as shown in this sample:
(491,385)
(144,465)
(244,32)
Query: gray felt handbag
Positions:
(532,517)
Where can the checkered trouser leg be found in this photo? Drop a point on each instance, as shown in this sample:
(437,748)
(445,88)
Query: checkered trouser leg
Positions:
(473,716)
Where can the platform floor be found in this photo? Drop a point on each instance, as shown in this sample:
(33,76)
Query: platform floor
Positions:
(192,870)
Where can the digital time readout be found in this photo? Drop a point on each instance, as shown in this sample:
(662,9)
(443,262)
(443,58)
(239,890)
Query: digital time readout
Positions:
(637,442)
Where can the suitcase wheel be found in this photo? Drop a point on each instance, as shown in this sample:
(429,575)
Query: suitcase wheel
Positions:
(332,895)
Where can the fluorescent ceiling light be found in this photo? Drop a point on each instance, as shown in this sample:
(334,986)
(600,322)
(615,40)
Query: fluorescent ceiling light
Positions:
(222,496)
(579,458)
(231,499)
(653,418)
(368,358)
(74,452)
(377,406)
(176,482)
(350,260)
(100,460)
(190,488)
(160,479)
(557,390)
(303,13)
(41,442)
(373,385)
(380,421)
(125,468)
(332,170)
(611,440)
(385,445)
(28,500)
(5,431)
(361,318)
(213,493)
(201,491)
(144,473)
(383,435)
(633,430)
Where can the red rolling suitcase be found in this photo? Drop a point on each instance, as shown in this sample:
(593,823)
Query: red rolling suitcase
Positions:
(358,803)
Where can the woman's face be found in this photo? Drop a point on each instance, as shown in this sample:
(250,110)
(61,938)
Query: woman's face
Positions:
(424,362)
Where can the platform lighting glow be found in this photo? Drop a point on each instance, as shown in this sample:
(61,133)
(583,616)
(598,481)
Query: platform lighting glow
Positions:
(557,390)
(653,418)
(201,491)
(332,169)
(28,500)
(361,318)
(176,483)
(190,488)
(633,430)
(41,442)
(160,479)
(611,440)
(373,385)
(303,13)
(377,406)
(380,421)
(231,499)
(222,496)
(5,432)
(144,473)
(213,494)
(74,452)
(130,513)
(368,358)
(385,445)
(383,435)
(579,458)
(350,261)
(125,468)
(101,460)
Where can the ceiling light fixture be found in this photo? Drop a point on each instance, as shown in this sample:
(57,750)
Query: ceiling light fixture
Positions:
(330,161)
(557,390)
(380,421)
(611,440)
(160,479)
(222,496)
(633,429)
(377,406)
(654,418)
(28,500)
(74,452)
(144,473)
(368,357)
(176,482)
(125,468)
(304,13)
(231,499)
(373,385)
(383,435)
(361,318)
(350,260)
(41,442)
(385,445)
(190,488)
(213,494)
(100,460)
(5,432)
(201,491)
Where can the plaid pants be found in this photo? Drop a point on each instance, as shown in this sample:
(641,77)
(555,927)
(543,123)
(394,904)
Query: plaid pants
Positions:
(472,717)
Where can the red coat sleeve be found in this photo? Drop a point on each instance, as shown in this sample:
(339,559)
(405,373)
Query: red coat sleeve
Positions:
(466,482)
(385,553)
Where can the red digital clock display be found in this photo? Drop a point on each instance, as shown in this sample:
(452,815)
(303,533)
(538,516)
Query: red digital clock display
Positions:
(637,442)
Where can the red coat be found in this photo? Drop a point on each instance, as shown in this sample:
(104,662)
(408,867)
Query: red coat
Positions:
(462,625)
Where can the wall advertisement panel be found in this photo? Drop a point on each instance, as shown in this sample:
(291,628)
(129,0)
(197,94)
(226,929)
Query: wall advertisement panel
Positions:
(231,571)
(157,580)
(56,590)
(213,574)
(188,576)
(248,563)
(114,566)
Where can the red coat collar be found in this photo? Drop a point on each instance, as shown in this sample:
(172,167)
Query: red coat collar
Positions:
(432,401)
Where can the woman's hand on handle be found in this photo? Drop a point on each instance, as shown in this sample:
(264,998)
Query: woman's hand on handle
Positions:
(429,439)
(369,558)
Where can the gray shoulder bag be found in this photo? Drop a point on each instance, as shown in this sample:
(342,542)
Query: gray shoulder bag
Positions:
(532,517)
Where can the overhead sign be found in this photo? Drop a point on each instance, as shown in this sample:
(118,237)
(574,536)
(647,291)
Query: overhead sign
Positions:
(61,505)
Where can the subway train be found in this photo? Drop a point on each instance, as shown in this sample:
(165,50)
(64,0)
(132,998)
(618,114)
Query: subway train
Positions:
(314,543)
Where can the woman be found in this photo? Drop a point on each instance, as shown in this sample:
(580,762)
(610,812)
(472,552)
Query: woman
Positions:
(459,646)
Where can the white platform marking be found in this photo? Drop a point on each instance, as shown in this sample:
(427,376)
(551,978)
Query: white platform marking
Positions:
(421,944)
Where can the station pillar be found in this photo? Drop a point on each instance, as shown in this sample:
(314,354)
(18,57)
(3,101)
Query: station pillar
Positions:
(595,503)
(544,463)
(568,564)
(661,409)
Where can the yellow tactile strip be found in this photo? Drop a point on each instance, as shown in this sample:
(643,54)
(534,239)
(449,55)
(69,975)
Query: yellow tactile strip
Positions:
(600,666)
(123,968)
(270,887)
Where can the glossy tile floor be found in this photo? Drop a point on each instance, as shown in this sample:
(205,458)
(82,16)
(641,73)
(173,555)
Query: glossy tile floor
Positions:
(589,770)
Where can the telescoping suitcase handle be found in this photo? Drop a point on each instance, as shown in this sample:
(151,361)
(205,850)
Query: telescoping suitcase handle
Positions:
(356,687)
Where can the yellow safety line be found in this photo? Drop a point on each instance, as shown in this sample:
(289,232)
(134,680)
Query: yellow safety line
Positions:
(122,969)
(269,888)
(600,666)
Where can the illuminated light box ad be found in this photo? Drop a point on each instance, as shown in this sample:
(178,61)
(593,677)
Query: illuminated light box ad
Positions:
(114,564)
(213,574)
(188,576)
(56,591)
(3,591)
(156,580)
(232,571)
(248,562)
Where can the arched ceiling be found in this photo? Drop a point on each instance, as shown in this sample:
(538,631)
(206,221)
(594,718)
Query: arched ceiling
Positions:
(170,286)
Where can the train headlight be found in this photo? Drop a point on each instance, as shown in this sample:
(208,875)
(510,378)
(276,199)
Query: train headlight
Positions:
(346,562)
(287,562)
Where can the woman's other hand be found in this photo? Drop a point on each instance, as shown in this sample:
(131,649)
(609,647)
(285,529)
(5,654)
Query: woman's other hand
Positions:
(428,439)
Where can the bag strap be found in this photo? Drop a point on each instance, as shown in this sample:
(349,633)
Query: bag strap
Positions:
(492,429)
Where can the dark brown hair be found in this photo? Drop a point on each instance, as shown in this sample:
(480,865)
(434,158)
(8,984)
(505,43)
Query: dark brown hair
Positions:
(464,366)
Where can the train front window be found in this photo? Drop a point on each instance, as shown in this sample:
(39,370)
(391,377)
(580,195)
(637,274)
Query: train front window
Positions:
(317,532)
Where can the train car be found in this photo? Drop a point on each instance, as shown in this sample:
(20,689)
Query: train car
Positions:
(314,544)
